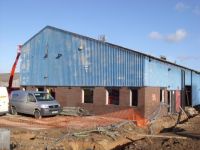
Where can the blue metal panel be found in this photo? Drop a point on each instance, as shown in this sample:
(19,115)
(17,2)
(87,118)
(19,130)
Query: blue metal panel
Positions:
(195,89)
(97,64)
(160,74)
(188,77)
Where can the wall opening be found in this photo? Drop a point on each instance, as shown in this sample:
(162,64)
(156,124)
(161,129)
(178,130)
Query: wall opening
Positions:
(87,95)
(107,97)
(188,101)
(162,97)
(40,89)
(52,92)
(24,88)
(113,96)
(133,97)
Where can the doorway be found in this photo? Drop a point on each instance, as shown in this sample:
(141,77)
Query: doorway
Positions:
(169,102)
(52,92)
(188,100)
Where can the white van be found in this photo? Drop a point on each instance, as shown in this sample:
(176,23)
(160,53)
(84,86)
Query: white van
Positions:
(3,100)
(36,103)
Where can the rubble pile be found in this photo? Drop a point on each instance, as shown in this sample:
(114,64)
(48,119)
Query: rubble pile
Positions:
(191,111)
(75,111)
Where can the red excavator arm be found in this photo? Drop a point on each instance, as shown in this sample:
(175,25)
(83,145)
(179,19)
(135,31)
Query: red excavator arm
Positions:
(13,71)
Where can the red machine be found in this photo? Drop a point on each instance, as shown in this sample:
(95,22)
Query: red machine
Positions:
(13,70)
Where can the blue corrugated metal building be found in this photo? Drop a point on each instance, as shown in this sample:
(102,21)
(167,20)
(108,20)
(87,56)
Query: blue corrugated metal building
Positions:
(56,58)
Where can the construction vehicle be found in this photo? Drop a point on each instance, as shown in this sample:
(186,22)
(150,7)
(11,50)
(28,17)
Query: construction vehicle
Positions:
(13,70)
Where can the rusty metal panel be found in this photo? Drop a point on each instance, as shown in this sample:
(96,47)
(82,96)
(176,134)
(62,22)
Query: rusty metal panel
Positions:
(178,100)
(96,64)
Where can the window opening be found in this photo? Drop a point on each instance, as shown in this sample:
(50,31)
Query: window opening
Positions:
(40,89)
(134,97)
(52,92)
(113,96)
(87,95)
(161,95)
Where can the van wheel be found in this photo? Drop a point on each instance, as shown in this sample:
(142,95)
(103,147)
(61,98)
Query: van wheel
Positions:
(37,114)
(13,111)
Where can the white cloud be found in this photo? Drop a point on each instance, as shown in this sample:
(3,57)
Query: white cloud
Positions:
(181,7)
(155,35)
(178,36)
(197,10)
(174,37)
(183,57)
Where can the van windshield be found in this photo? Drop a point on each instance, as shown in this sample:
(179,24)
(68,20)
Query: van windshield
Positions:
(43,97)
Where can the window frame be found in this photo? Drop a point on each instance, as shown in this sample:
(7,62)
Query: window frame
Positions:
(33,97)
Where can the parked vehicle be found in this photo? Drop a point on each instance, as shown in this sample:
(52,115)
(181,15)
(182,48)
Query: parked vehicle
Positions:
(36,103)
(3,100)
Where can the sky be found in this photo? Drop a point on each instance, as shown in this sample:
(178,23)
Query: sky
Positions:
(155,27)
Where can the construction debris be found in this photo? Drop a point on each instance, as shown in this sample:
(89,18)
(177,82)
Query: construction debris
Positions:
(75,111)
(191,111)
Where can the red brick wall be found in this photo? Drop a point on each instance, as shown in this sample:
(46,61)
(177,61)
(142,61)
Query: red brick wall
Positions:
(61,95)
(99,105)
(45,89)
(99,96)
(151,102)
(31,88)
(72,97)
(124,96)
(99,101)
(141,100)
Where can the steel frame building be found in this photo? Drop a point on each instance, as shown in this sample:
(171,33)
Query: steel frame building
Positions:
(103,77)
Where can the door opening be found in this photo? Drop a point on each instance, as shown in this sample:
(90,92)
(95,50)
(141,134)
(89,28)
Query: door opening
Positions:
(188,100)
(169,101)
(52,91)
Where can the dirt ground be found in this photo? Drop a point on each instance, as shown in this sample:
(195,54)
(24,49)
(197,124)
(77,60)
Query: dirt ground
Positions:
(188,131)
(28,133)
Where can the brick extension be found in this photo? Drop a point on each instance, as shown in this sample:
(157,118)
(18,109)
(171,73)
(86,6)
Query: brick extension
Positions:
(72,97)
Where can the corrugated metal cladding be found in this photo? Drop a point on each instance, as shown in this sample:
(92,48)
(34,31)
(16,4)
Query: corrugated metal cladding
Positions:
(195,89)
(97,64)
(188,77)
(160,74)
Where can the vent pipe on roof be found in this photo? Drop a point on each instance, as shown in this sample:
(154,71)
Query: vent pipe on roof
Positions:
(163,57)
(102,38)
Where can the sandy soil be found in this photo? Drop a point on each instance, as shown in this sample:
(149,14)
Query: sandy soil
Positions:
(26,135)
